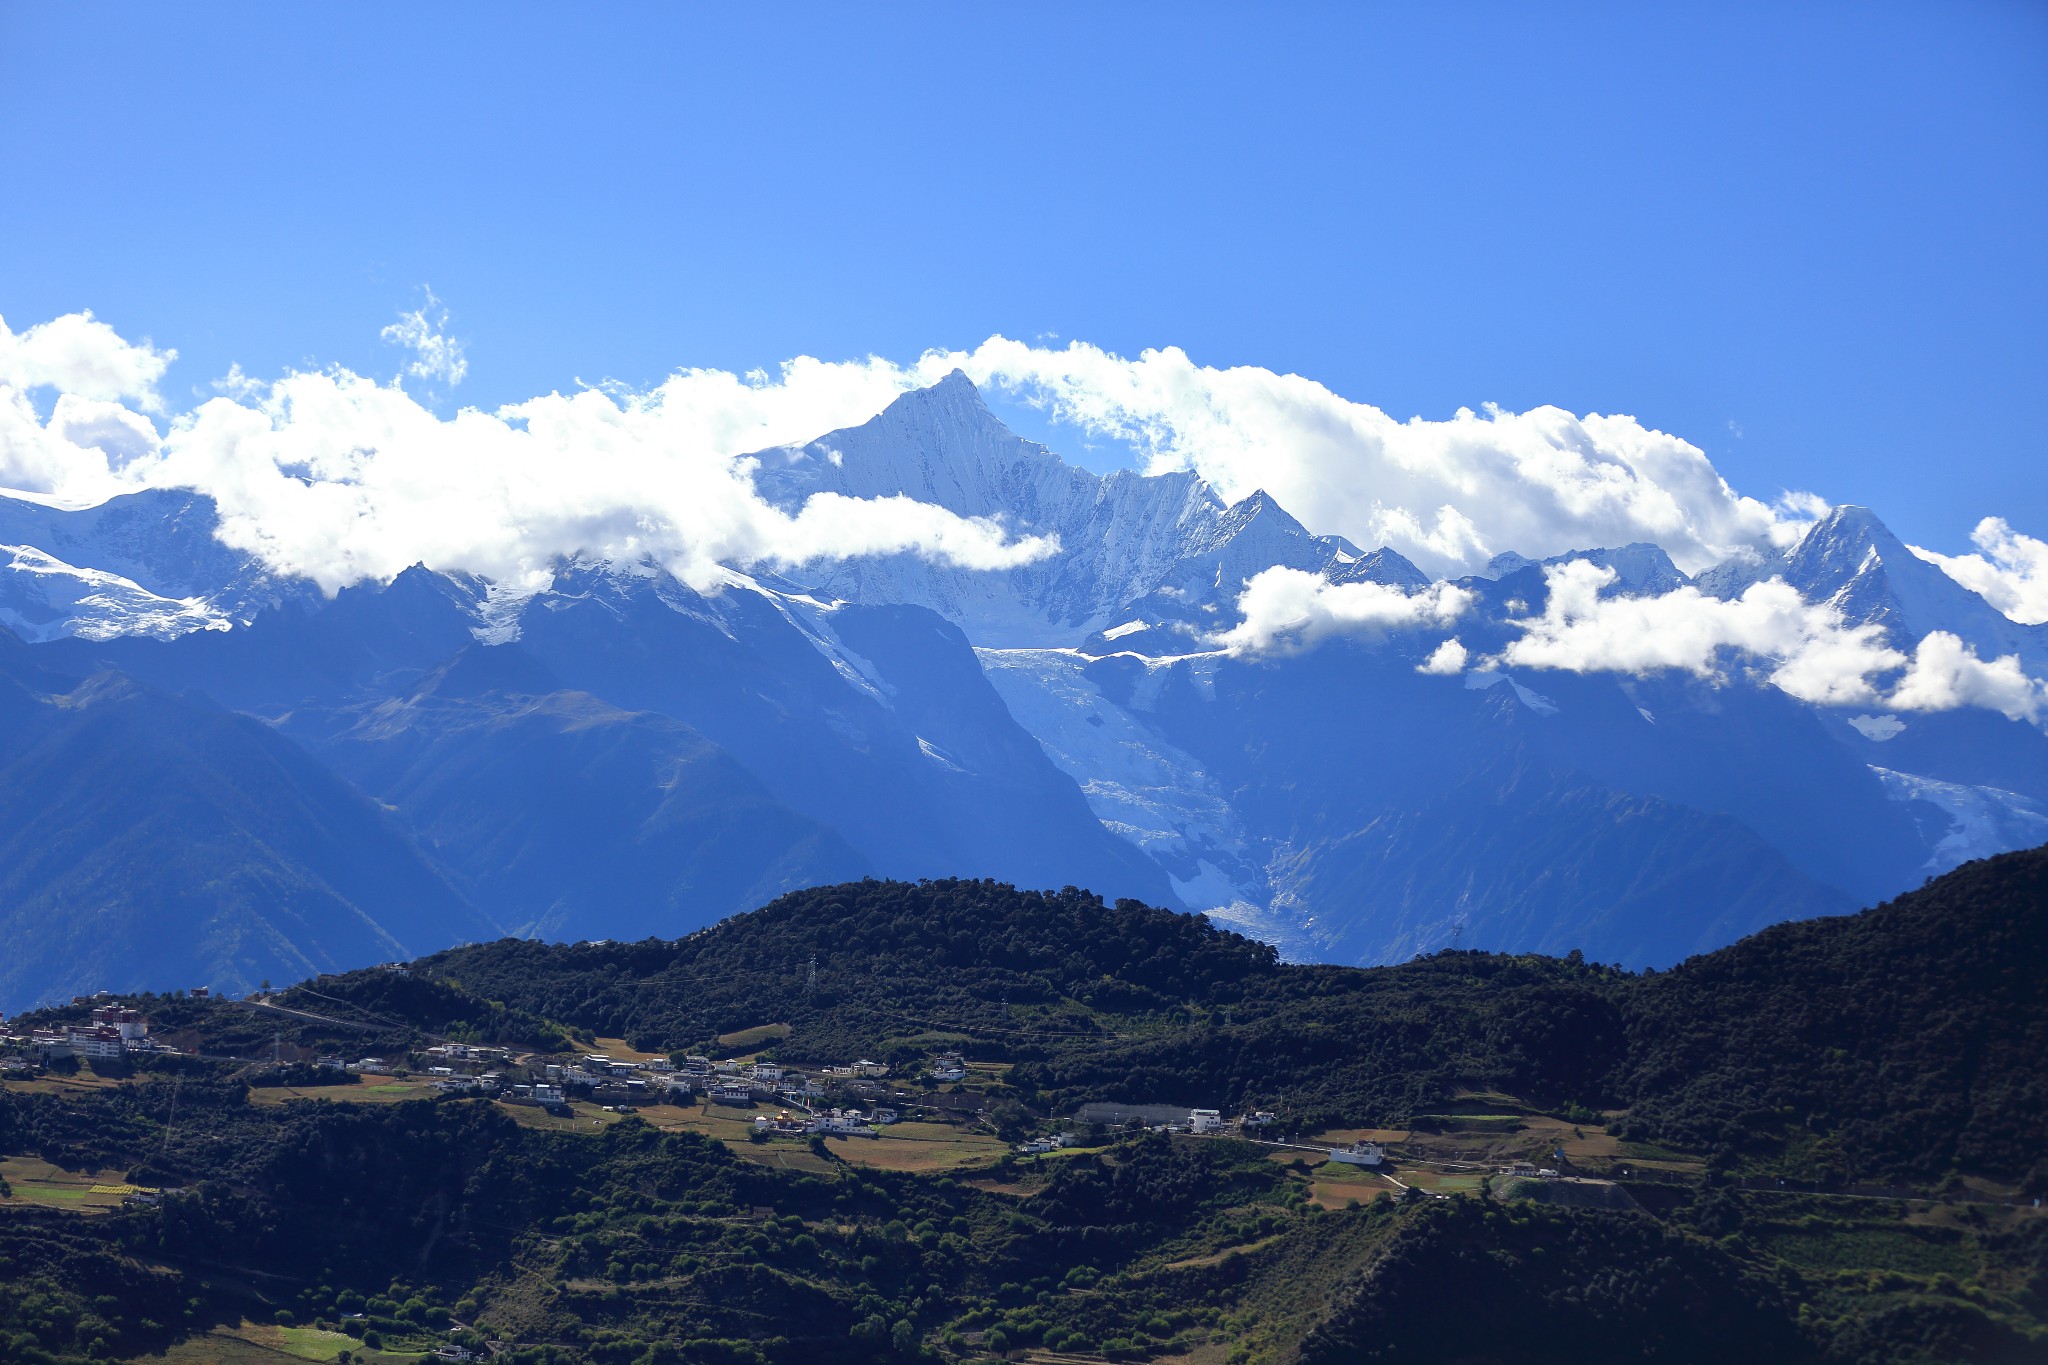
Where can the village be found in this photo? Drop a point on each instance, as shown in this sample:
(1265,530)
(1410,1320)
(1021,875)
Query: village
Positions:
(937,1108)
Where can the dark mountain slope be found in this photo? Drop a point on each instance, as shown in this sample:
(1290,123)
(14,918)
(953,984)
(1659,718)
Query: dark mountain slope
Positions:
(754,760)
(375,638)
(1909,1038)
(974,796)
(1541,1286)
(564,814)
(1398,808)
(1548,862)
(151,840)
(613,1241)
(1900,1043)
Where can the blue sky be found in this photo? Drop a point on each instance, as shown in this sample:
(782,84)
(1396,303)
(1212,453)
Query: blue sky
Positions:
(1808,241)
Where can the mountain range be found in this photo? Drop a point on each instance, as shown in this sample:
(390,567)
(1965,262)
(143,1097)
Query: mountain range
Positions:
(213,773)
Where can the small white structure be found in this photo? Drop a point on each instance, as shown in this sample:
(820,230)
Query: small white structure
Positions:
(1052,1143)
(1205,1121)
(1358,1154)
(842,1123)
(129,1022)
(94,1040)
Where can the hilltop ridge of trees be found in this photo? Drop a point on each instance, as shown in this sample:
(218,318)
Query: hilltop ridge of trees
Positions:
(1902,1042)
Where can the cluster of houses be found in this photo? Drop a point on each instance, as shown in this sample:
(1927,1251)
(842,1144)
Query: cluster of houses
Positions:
(828,1123)
(113,1031)
(1039,1145)
(456,1068)
(1171,1118)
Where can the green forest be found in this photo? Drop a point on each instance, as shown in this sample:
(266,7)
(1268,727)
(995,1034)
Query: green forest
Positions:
(1824,1146)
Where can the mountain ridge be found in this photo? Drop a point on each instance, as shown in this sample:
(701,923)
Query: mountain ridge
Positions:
(1077,720)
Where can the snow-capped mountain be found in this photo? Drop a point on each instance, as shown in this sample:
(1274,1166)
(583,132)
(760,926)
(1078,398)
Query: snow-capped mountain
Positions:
(1123,536)
(1852,560)
(43,598)
(1638,568)
(621,754)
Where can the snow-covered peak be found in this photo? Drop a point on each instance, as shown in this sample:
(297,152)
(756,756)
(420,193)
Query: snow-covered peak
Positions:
(43,598)
(1124,537)
(161,540)
(1640,569)
(940,445)
(1851,559)
(1385,565)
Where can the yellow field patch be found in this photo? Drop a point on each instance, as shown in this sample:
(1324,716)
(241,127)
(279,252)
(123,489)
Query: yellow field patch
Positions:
(620,1051)
(758,1036)
(1335,1185)
(782,1156)
(1218,1257)
(584,1117)
(1344,1137)
(727,1122)
(927,1147)
(32,1180)
(370,1090)
(1442,1182)
(256,1343)
(60,1085)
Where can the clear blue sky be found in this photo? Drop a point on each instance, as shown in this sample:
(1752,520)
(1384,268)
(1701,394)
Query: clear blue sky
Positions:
(1822,224)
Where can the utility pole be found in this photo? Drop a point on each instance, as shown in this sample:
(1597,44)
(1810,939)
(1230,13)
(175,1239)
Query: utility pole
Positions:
(811,981)
(176,1082)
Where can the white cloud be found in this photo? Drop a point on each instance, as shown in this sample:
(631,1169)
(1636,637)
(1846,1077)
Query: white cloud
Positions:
(80,355)
(437,357)
(338,478)
(1806,649)
(1445,660)
(1448,494)
(1946,673)
(1289,609)
(2011,573)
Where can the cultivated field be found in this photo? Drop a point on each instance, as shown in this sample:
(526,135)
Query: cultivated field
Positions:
(919,1147)
(255,1343)
(746,1039)
(369,1090)
(35,1181)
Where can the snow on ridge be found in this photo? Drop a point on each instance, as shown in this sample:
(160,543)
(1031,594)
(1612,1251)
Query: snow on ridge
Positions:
(1982,820)
(43,598)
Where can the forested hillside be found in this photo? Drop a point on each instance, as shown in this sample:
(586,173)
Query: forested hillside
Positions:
(1722,1124)
(1901,1042)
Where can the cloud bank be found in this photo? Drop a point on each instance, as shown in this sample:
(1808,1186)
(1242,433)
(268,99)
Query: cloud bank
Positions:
(1289,609)
(2011,572)
(1447,494)
(338,478)
(1807,650)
